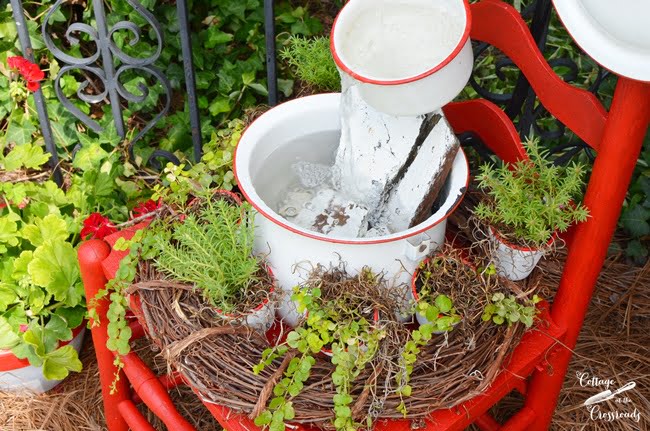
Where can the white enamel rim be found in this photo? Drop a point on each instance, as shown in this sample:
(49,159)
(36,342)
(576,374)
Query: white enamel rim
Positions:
(339,57)
(612,53)
(281,112)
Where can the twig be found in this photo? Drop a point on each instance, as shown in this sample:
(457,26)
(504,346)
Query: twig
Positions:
(270,384)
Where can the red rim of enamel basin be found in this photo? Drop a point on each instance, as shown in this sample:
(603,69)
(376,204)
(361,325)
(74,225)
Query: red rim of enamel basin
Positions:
(277,219)
(443,63)
(507,243)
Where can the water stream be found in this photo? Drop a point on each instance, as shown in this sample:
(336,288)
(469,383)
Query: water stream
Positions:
(343,184)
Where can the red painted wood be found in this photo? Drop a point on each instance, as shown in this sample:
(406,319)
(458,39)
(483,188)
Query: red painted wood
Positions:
(91,256)
(133,417)
(168,381)
(153,393)
(624,133)
(487,423)
(522,420)
(500,25)
(490,123)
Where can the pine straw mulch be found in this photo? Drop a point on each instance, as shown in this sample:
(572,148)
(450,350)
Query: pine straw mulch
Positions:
(616,348)
(219,360)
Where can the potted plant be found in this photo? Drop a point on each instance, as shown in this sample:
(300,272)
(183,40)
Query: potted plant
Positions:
(527,204)
(342,319)
(42,304)
(430,289)
(212,250)
(205,242)
(446,290)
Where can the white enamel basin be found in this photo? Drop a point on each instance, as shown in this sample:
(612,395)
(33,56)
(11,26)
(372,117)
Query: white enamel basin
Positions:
(615,33)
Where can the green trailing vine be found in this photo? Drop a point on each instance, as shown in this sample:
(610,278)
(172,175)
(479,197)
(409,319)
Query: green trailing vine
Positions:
(508,310)
(353,337)
(441,317)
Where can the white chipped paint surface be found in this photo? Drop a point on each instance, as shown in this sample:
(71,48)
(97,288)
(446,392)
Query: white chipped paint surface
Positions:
(360,195)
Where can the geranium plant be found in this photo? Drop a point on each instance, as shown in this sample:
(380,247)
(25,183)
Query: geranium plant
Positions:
(41,295)
(30,72)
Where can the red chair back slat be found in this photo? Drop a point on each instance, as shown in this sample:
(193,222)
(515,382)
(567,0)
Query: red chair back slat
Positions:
(500,25)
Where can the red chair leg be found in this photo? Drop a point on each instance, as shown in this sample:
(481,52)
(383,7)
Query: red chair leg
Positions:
(91,254)
(133,417)
(610,178)
(153,393)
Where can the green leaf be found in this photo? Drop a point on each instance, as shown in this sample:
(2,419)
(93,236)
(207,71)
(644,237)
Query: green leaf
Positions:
(219,105)
(8,233)
(51,228)
(58,364)
(288,411)
(25,155)
(20,265)
(443,302)
(217,37)
(55,268)
(46,339)
(7,296)
(89,157)
(73,316)
(259,88)
(20,134)
(264,418)
(635,220)
(636,249)
(8,339)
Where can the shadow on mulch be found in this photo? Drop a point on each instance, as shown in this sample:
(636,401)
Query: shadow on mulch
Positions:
(613,345)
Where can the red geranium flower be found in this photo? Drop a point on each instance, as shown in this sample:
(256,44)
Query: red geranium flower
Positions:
(97,226)
(28,70)
(146,208)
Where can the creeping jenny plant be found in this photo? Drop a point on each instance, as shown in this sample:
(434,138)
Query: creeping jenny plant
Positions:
(351,332)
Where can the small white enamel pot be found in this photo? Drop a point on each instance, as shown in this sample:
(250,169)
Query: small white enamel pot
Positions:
(17,375)
(261,317)
(512,261)
(415,87)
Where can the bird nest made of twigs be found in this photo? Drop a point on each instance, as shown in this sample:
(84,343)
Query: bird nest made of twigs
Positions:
(218,359)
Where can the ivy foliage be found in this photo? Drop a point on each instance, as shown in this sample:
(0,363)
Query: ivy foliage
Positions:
(229,59)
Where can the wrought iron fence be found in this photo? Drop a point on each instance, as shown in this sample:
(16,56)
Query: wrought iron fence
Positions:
(108,63)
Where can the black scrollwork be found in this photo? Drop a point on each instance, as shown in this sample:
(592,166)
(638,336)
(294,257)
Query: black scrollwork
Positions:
(100,71)
(522,105)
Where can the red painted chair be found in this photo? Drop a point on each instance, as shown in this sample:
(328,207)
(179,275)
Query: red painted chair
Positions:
(538,365)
